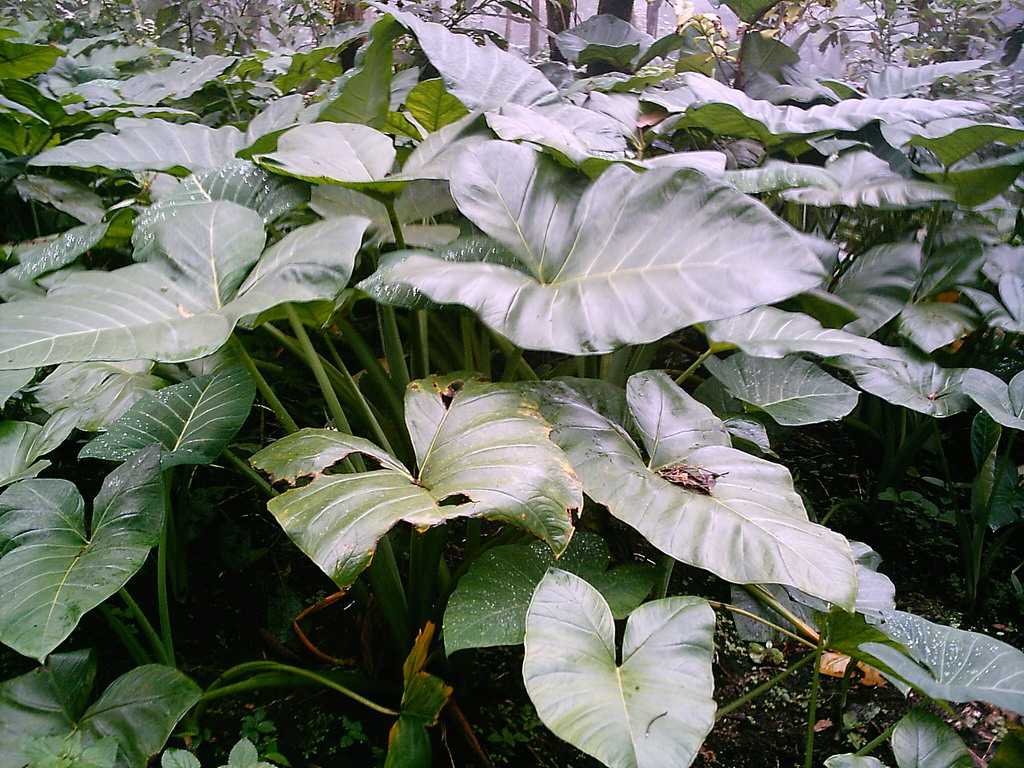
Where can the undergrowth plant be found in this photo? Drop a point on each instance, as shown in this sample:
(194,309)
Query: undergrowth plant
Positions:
(485,276)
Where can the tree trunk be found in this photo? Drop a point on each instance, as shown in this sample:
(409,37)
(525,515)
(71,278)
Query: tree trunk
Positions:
(558,21)
(621,8)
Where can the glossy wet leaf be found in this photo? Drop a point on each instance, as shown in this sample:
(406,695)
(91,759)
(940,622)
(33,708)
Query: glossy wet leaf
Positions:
(751,507)
(853,761)
(487,454)
(652,709)
(952,664)
(791,390)
(913,381)
(192,422)
(55,254)
(771,332)
(611,244)
(56,566)
(921,740)
(149,144)
(488,607)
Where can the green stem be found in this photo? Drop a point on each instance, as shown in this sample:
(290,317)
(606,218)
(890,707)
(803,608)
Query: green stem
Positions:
(312,358)
(383,383)
(696,364)
(763,595)
(163,602)
(133,646)
(876,742)
(668,564)
(396,224)
(147,629)
(393,350)
(215,690)
(253,476)
(421,344)
(755,617)
(514,355)
(358,399)
(812,707)
(265,389)
(765,686)
(387,587)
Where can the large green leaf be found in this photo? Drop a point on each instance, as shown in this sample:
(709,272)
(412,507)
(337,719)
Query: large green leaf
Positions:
(912,381)
(902,80)
(149,145)
(432,106)
(933,324)
(138,710)
(696,498)
(613,244)
(19,449)
(1003,402)
(49,256)
(192,422)
(858,178)
(953,139)
(478,76)
(65,195)
(978,182)
(12,382)
(421,201)
(332,153)
(176,80)
(879,284)
(603,38)
(569,132)
(366,96)
(201,267)
(482,450)
(56,566)
(921,740)
(791,390)
(652,709)
(725,111)
(488,607)
(22,60)
(750,10)
(853,761)
(771,332)
(95,393)
(951,664)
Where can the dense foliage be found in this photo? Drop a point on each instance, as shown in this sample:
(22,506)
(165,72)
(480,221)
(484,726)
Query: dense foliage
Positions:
(537,312)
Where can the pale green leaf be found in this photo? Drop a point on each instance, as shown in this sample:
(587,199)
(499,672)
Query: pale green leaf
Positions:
(653,709)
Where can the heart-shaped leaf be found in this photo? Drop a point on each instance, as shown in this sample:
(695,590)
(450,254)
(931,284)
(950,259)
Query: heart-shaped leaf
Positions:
(652,709)
(912,381)
(695,498)
(613,244)
(1003,402)
(56,567)
(482,450)
(921,740)
(138,710)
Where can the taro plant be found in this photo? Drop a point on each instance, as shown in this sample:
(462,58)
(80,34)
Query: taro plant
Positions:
(485,279)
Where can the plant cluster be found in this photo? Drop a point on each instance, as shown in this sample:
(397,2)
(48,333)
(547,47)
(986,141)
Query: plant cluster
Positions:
(532,310)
